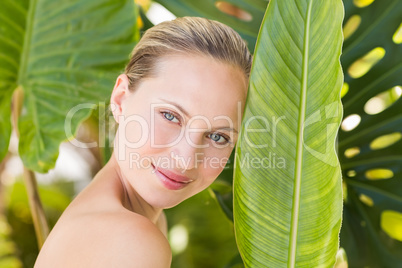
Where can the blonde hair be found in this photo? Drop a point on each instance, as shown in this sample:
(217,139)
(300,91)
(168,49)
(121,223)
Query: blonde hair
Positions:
(187,35)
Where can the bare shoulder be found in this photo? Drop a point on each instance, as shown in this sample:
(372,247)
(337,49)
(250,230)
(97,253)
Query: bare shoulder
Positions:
(145,240)
(118,239)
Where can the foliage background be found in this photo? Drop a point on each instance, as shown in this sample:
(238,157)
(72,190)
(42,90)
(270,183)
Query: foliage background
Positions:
(199,220)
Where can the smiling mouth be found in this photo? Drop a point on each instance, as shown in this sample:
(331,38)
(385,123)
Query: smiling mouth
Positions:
(171,180)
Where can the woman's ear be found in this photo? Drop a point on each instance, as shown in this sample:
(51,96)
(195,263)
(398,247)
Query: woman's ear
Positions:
(120,92)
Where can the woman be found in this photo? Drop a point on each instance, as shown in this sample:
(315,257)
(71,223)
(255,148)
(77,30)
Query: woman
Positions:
(179,106)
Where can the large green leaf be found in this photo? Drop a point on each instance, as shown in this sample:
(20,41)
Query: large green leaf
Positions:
(208,9)
(366,242)
(287,187)
(61,54)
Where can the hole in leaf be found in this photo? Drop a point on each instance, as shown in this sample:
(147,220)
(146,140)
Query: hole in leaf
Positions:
(351,152)
(398,90)
(379,174)
(361,66)
(341,259)
(362,3)
(351,26)
(391,223)
(233,10)
(382,101)
(345,89)
(385,141)
(351,173)
(366,200)
(344,191)
(397,37)
(350,122)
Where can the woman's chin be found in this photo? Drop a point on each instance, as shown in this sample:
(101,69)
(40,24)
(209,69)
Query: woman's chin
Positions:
(163,198)
(163,203)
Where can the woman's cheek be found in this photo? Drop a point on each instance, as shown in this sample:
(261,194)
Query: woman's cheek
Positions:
(133,131)
(209,175)
(220,156)
(214,163)
(165,133)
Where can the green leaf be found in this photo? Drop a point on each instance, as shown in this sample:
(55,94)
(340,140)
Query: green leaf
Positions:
(11,36)
(287,187)
(362,236)
(248,29)
(62,54)
(223,188)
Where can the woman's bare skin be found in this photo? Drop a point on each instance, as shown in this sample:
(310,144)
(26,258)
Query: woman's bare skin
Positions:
(118,232)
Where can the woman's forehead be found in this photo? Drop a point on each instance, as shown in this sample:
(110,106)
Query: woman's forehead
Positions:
(188,68)
(201,79)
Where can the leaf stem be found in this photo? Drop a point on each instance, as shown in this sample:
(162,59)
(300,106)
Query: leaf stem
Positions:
(38,215)
(35,204)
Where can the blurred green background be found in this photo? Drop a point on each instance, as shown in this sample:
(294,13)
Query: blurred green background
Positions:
(200,233)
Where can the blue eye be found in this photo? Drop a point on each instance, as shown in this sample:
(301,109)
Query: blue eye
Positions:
(218,138)
(170,116)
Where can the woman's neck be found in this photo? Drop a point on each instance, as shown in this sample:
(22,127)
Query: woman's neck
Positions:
(130,199)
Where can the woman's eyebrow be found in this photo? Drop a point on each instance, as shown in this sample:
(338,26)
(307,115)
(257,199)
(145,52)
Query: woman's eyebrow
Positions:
(187,114)
(178,106)
(226,128)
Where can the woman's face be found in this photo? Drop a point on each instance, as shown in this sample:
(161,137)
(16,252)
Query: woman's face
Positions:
(184,121)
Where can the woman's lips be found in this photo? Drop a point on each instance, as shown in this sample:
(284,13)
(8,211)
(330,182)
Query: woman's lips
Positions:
(171,180)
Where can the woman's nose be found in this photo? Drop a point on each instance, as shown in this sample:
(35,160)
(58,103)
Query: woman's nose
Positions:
(189,152)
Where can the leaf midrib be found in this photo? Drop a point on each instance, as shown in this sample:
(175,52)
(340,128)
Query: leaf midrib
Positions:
(300,138)
(23,69)
(27,42)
